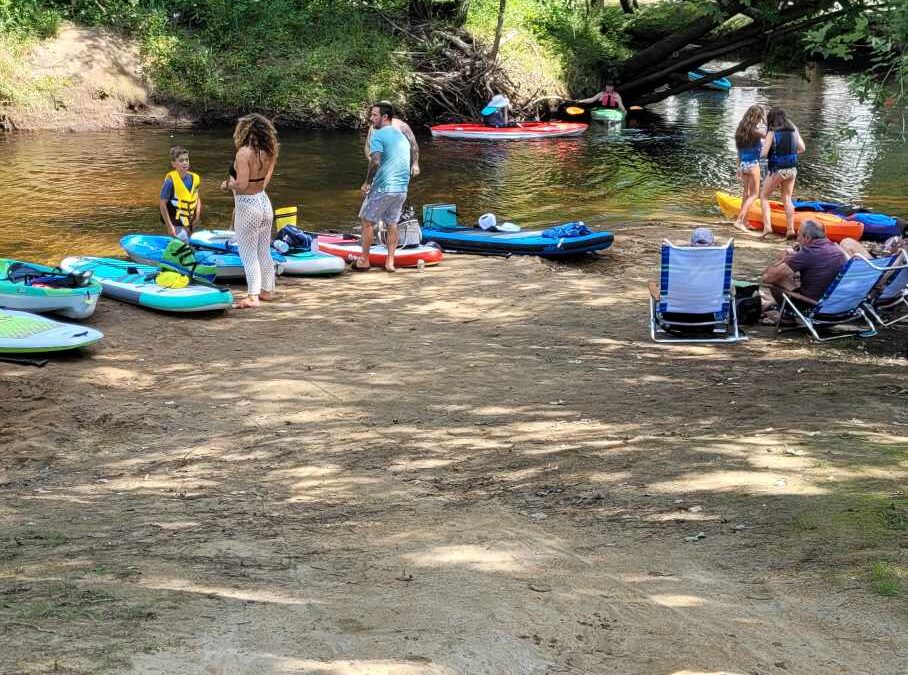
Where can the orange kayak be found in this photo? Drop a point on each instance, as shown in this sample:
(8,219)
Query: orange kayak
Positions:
(837,228)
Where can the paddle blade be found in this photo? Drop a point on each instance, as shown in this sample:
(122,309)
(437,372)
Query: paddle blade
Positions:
(574,110)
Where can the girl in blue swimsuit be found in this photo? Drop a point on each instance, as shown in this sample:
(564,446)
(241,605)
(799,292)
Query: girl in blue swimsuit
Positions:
(749,143)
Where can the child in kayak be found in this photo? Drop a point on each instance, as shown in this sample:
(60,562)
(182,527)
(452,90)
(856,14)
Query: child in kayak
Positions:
(180,204)
(607,98)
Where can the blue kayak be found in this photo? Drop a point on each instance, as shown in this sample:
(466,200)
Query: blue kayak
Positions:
(722,84)
(148,248)
(441,228)
(877,226)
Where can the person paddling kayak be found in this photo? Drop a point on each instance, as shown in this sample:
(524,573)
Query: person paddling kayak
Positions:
(495,114)
(607,98)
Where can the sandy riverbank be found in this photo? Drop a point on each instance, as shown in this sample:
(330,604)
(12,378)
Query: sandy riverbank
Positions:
(482,468)
(83,79)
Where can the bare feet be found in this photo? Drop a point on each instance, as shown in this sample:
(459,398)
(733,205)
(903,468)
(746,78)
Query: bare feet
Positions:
(266,296)
(767,233)
(248,302)
(791,234)
(361,264)
(390,268)
(741,226)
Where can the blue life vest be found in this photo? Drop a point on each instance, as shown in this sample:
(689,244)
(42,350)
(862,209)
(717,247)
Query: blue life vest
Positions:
(567,231)
(822,207)
(783,154)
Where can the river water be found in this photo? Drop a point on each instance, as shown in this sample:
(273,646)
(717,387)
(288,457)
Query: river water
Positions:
(69,194)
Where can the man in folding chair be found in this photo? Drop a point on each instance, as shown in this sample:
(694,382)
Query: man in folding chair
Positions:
(844,299)
(805,270)
(693,301)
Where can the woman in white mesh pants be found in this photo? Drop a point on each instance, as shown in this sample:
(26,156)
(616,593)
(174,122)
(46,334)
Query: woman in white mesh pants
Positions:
(256,154)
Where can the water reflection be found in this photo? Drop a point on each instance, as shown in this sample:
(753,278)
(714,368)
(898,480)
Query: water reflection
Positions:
(79,193)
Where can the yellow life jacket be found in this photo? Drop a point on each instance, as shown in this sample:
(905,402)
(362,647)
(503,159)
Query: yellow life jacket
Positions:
(184,200)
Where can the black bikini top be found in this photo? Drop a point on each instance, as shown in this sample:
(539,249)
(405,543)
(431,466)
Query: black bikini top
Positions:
(232,173)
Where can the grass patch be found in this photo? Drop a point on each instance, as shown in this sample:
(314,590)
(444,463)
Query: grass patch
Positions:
(65,601)
(299,64)
(868,519)
(886,579)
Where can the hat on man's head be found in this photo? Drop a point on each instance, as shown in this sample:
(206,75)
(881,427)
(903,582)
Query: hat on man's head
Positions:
(702,236)
(498,101)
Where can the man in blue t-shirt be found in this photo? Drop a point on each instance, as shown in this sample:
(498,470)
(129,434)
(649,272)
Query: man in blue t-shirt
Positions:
(386,184)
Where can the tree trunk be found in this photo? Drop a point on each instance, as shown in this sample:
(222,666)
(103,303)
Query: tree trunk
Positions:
(664,48)
(497,43)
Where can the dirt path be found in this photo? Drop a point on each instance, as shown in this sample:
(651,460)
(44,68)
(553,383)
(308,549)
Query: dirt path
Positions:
(496,476)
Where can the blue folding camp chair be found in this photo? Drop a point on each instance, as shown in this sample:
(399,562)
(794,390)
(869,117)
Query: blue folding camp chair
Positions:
(843,301)
(890,305)
(695,298)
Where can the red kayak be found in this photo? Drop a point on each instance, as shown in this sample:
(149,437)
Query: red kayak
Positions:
(350,249)
(524,131)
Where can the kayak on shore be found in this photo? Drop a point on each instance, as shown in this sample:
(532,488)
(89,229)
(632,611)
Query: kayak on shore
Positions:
(877,226)
(524,131)
(837,228)
(440,226)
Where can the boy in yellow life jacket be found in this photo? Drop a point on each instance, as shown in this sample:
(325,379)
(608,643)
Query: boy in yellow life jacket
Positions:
(180,204)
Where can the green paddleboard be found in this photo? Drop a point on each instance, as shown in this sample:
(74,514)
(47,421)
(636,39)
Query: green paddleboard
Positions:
(607,115)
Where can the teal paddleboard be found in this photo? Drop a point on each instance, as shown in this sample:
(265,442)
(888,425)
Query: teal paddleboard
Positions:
(131,282)
(24,333)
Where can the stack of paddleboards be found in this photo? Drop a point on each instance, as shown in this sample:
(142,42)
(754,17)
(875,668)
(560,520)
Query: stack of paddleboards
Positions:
(135,283)
(148,249)
(837,228)
(296,262)
(877,226)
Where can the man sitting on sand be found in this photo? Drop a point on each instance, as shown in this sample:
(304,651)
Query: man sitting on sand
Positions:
(805,270)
